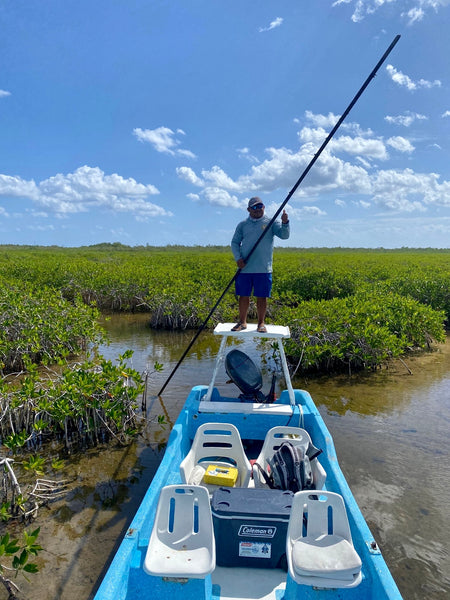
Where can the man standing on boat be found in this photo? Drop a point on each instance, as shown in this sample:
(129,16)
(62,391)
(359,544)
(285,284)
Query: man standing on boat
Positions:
(256,274)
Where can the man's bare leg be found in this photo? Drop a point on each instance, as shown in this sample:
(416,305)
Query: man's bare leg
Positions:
(261,309)
(244,303)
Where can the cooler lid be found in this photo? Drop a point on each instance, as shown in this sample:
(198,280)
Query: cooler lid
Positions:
(250,502)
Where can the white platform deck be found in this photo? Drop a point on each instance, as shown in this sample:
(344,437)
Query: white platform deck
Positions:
(273,331)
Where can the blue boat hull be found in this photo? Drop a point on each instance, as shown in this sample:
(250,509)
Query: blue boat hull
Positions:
(126,578)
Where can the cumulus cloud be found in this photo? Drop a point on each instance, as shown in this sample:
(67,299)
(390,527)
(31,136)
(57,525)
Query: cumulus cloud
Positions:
(405,81)
(324,121)
(86,188)
(275,23)
(220,197)
(406,120)
(193,197)
(217,177)
(401,144)
(446,114)
(313,210)
(4,93)
(370,148)
(163,140)
(405,190)
(348,165)
(189,175)
(17,187)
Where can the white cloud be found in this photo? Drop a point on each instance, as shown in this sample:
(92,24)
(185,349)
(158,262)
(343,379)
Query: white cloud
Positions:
(407,191)
(312,211)
(370,148)
(328,121)
(365,163)
(275,23)
(245,153)
(189,175)
(357,145)
(186,153)
(401,144)
(414,15)
(296,213)
(163,140)
(347,166)
(217,177)
(4,93)
(406,120)
(220,197)
(366,8)
(17,187)
(86,188)
(446,114)
(405,81)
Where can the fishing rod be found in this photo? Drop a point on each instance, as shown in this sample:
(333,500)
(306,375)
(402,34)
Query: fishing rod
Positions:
(283,204)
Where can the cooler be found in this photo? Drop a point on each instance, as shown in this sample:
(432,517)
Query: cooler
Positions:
(250,526)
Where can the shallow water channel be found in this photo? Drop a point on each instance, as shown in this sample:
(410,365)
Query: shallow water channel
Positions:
(390,429)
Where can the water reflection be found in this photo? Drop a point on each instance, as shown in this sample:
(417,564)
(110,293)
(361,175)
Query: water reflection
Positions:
(390,429)
(391,435)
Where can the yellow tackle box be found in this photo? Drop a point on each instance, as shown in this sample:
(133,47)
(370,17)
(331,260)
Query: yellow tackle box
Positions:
(221,475)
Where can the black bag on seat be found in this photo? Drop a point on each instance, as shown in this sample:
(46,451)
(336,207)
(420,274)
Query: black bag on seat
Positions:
(290,469)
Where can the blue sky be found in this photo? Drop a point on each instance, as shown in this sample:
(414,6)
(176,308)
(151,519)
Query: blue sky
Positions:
(153,121)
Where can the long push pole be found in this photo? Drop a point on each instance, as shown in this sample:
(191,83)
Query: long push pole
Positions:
(288,197)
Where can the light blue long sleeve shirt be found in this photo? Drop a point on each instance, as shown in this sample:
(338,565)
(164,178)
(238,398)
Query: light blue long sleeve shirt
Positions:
(245,237)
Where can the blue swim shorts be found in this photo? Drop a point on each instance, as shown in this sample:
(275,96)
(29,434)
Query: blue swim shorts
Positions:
(261,283)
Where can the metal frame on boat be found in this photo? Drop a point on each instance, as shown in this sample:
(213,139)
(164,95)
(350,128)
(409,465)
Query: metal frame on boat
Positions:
(191,539)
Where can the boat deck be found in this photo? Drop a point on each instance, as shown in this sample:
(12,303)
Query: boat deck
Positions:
(234,583)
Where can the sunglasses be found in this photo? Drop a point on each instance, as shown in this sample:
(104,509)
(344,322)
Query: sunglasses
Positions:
(257,207)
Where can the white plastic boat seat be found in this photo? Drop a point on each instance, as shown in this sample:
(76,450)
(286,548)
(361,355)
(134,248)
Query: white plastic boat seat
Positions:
(274,438)
(182,540)
(219,444)
(319,547)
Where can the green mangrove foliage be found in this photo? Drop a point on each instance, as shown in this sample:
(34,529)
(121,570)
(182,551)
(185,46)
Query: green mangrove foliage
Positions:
(38,326)
(15,557)
(177,286)
(360,331)
(14,504)
(84,404)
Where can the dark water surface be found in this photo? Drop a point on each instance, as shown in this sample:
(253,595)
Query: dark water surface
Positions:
(391,431)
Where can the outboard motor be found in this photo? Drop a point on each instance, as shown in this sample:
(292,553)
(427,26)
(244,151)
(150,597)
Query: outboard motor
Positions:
(248,377)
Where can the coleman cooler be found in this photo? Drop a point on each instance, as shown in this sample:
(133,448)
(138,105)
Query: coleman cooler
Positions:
(250,526)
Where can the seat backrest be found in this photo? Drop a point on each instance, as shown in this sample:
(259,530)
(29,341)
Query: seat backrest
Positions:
(273,440)
(182,540)
(277,435)
(178,514)
(213,441)
(323,512)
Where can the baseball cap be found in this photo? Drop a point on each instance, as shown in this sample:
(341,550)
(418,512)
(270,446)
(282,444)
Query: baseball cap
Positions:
(254,201)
